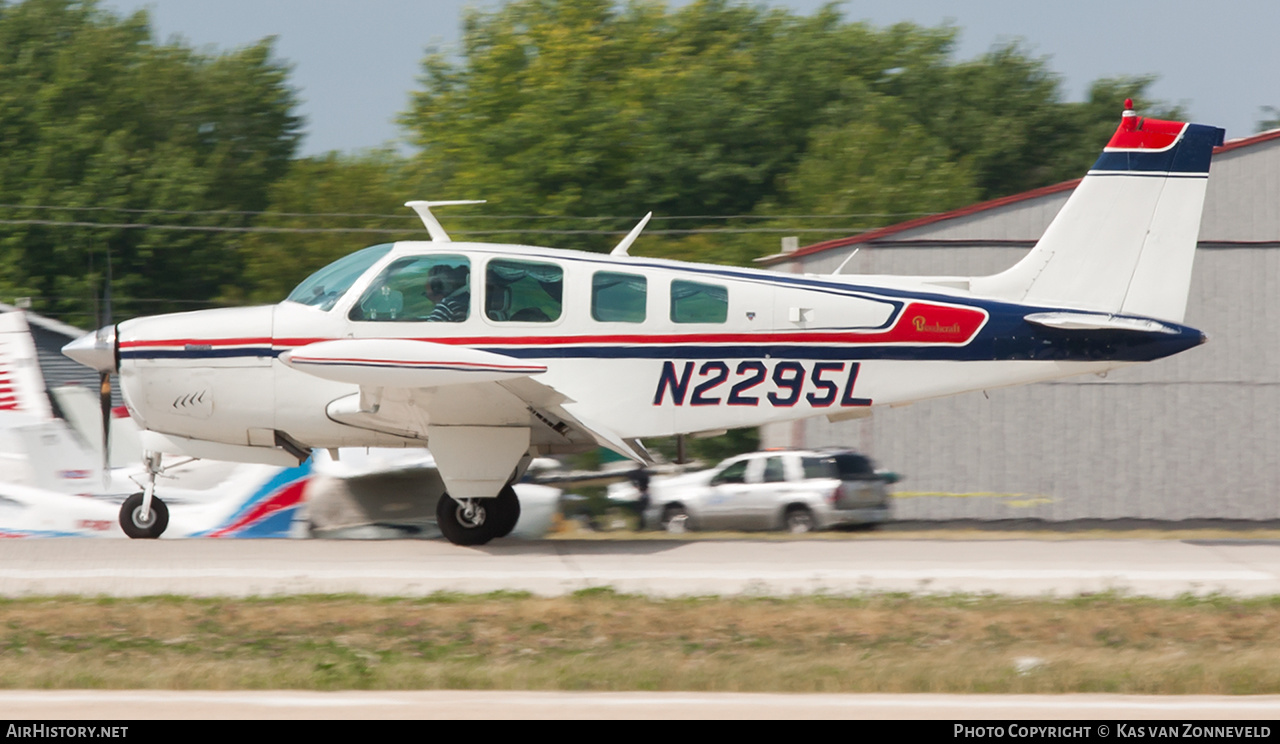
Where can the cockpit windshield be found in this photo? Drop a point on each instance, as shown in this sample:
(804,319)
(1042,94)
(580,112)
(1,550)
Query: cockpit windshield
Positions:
(323,288)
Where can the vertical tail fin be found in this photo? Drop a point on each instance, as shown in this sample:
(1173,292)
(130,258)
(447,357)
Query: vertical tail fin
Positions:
(1125,240)
(21,381)
(267,511)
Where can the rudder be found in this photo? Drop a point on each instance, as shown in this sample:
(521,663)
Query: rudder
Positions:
(1124,243)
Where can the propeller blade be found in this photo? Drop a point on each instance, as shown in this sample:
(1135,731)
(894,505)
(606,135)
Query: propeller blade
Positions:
(108,318)
(104,382)
(104,390)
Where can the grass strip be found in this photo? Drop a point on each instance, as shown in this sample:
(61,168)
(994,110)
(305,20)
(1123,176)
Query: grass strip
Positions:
(600,640)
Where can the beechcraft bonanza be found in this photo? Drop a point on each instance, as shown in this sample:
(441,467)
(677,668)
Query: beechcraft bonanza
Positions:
(493,354)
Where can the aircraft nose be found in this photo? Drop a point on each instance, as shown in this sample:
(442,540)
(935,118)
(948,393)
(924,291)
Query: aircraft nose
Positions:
(95,350)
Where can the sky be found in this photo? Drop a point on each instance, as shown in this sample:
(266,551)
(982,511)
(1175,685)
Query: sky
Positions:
(355,62)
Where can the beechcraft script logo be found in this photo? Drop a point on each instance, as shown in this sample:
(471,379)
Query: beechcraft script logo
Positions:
(922,325)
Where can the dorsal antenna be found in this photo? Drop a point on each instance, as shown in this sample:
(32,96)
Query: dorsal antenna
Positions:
(621,248)
(845,262)
(423,208)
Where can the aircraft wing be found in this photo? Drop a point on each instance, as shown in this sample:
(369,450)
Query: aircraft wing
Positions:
(408,385)
(378,362)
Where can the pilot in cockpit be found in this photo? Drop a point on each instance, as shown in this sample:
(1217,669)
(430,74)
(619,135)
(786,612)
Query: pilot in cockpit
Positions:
(449,287)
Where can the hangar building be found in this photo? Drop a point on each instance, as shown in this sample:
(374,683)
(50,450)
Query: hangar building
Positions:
(1193,436)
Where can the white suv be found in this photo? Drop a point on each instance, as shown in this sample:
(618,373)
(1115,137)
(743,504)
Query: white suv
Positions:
(797,491)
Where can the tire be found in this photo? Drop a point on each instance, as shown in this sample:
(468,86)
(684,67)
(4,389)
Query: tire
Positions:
(508,506)
(798,520)
(137,528)
(460,529)
(675,519)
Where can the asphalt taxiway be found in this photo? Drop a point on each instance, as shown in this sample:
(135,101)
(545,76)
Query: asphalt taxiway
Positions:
(1159,568)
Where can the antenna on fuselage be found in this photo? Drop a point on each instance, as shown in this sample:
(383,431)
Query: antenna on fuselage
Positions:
(845,262)
(621,248)
(423,208)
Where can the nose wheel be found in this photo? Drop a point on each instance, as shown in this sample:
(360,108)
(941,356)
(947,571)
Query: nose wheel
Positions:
(142,515)
(140,523)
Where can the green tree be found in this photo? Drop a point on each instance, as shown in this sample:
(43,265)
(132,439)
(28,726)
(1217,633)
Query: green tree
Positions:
(324,208)
(1270,119)
(582,107)
(98,120)
(880,167)
(574,108)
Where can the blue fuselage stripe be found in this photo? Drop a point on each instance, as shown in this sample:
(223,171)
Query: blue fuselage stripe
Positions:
(998,341)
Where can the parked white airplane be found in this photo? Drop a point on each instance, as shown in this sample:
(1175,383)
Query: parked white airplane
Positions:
(256,501)
(493,354)
(52,479)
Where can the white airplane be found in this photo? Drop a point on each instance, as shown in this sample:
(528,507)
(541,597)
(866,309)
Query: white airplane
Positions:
(257,501)
(494,354)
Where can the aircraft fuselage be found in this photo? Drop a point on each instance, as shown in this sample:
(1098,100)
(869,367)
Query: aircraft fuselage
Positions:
(690,348)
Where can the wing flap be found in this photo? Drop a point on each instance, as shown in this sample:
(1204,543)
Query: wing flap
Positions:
(551,407)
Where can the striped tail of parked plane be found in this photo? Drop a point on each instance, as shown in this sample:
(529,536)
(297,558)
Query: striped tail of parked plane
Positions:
(492,354)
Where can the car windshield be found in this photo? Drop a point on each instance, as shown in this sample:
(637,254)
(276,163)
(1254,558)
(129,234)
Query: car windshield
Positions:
(324,288)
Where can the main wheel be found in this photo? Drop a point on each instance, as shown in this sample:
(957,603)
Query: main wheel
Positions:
(798,520)
(461,525)
(508,507)
(139,526)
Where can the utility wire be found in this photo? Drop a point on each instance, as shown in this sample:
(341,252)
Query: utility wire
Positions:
(402,231)
(656,218)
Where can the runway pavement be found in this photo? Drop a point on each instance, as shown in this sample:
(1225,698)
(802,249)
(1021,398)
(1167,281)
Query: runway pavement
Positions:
(1161,568)
(50,706)
(656,567)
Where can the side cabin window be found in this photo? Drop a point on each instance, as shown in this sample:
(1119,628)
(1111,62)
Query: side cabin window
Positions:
(618,298)
(694,302)
(432,289)
(523,291)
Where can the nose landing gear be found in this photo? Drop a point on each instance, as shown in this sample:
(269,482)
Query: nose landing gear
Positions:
(142,515)
(140,523)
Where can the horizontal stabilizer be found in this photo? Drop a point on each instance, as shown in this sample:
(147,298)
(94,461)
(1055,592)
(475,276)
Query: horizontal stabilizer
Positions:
(405,363)
(1098,322)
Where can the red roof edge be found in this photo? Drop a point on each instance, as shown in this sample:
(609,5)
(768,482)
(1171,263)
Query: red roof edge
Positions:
(885,232)
(1246,141)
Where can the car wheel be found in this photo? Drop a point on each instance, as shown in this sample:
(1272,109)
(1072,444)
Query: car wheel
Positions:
(675,520)
(799,520)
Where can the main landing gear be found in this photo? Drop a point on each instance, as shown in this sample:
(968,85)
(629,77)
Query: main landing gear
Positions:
(477,521)
(142,515)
